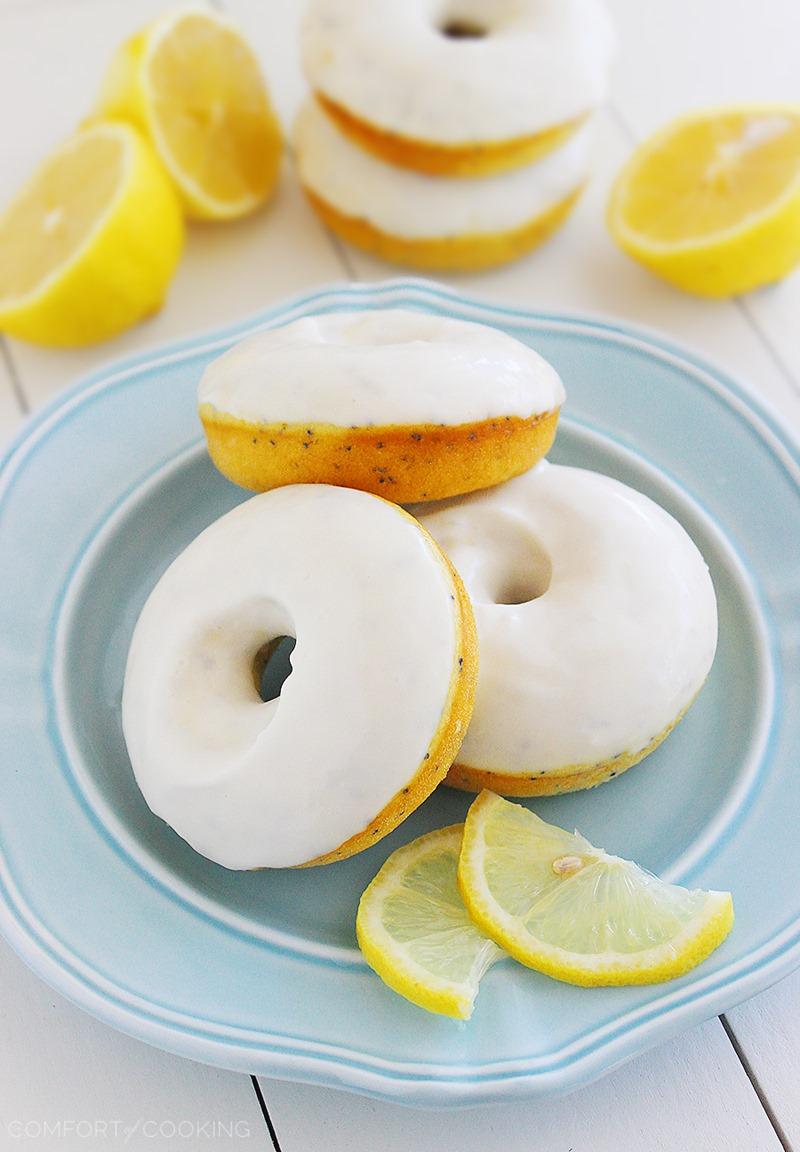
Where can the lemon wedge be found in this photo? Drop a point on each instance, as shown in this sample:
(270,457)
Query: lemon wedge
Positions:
(565,908)
(414,931)
(193,86)
(711,203)
(89,245)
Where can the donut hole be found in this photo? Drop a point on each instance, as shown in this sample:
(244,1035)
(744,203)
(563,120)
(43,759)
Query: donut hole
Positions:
(458,28)
(500,560)
(522,587)
(527,577)
(272,666)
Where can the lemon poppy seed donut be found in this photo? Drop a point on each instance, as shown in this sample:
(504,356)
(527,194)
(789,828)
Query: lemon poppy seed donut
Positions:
(408,405)
(458,89)
(597,627)
(428,222)
(368,721)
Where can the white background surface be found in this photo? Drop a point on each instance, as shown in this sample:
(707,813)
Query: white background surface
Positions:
(732,1084)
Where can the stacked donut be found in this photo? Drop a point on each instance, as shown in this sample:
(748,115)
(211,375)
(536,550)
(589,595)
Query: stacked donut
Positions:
(449,136)
(530,628)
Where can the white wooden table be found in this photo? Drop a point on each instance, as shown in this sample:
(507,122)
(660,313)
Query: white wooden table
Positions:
(732,1084)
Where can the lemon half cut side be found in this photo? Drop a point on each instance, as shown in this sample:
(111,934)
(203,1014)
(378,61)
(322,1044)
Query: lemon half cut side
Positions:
(90,243)
(194,87)
(711,203)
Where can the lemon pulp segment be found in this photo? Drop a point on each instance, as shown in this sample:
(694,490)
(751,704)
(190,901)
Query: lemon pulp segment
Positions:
(573,911)
(414,930)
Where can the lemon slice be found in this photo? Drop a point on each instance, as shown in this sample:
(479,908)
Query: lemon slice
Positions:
(712,202)
(414,931)
(572,911)
(89,245)
(193,85)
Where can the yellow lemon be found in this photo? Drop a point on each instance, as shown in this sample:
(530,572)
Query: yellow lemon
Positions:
(565,908)
(711,203)
(89,245)
(193,85)
(414,931)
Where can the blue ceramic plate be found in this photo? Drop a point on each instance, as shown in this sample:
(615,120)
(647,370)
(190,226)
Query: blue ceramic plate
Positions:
(259,971)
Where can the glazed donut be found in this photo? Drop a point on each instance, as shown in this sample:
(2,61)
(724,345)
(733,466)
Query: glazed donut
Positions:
(467,88)
(371,716)
(428,222)
(597,626)
(405,404)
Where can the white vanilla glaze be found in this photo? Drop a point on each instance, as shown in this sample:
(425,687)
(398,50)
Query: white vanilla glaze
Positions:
(615,646)
(252,784)
(384,367)
(542,63)
(413,206)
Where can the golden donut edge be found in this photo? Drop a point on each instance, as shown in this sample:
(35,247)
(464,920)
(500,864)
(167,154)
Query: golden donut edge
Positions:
(404,463)
(465,253)
(476,158)
(574,778)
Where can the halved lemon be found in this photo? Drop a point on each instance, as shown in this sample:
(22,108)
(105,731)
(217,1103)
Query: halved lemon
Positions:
(89,245)
(414,931)
(193,85)
(563,907)
(712,202)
